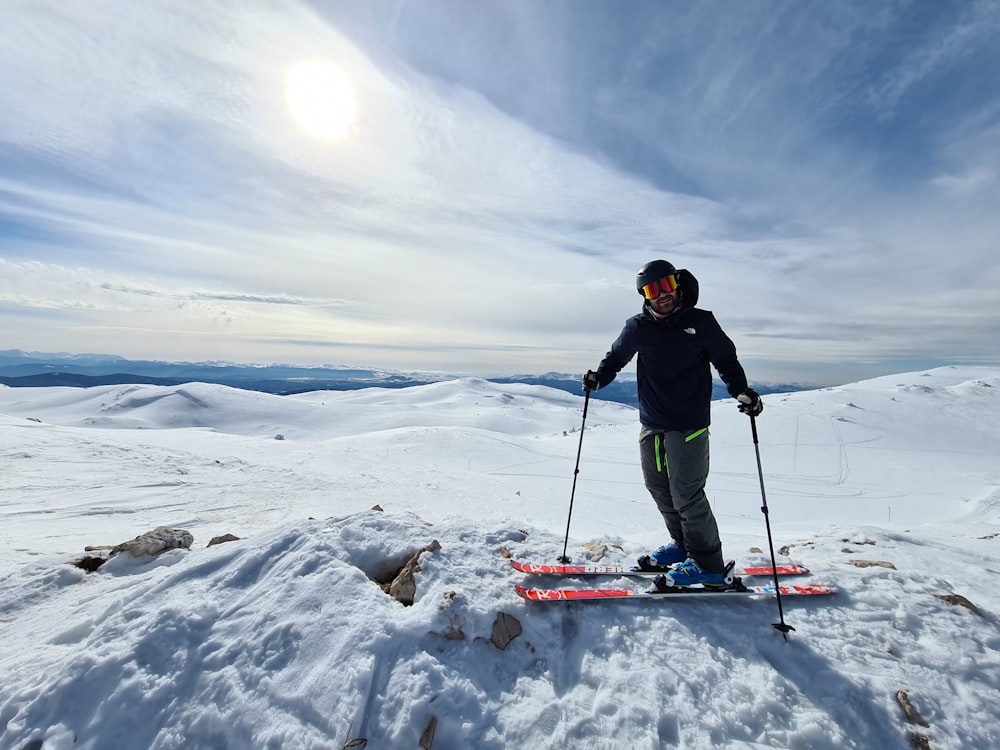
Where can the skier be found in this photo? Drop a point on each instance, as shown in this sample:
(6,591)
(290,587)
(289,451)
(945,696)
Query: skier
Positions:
(675,342)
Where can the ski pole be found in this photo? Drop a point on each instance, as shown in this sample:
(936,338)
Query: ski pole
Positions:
(779,626)
(586,402)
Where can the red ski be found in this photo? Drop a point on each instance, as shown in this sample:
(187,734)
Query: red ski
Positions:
(567,594)
(789,569)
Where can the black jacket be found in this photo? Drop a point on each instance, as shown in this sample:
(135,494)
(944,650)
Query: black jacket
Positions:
(674,379)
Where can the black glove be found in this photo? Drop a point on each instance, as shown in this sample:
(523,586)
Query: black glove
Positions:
(590,381)
(750,402)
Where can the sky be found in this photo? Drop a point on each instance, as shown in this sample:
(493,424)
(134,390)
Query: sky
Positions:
(471,187)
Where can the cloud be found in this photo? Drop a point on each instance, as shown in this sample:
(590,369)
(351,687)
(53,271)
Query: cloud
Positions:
(949,38)
(509,168)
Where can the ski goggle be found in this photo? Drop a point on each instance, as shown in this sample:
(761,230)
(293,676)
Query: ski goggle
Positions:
(654,289)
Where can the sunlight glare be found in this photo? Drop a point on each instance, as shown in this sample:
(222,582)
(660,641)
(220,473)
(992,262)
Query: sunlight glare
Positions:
(320,98)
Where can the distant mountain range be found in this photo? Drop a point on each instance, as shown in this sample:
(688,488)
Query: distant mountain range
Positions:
(21,369)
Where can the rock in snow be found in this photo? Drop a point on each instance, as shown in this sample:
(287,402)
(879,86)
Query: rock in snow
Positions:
(156,541)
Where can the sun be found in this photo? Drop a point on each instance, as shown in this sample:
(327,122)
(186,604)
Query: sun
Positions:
(320,98)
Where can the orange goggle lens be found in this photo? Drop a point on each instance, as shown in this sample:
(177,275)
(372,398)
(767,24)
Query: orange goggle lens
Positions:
(654,289)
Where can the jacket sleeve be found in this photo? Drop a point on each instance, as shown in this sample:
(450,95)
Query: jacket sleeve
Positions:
(722,355)
(621,353)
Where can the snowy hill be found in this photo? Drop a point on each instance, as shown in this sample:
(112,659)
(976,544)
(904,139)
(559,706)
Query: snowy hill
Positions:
(34,369)
(282,639)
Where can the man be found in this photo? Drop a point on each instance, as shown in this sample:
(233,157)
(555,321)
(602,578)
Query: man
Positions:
(675,342)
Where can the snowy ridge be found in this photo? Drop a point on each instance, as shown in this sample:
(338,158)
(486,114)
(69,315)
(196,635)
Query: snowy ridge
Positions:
(511,409)
(282,639)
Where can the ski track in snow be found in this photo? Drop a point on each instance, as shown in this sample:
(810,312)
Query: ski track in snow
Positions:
(282,639)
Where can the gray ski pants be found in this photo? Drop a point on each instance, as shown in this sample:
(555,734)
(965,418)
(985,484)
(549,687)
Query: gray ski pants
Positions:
(675,469)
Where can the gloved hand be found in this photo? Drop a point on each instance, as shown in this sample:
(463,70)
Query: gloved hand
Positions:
(750,402)
(590,381)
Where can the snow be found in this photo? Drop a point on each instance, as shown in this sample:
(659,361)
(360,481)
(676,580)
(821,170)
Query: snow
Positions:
(283,640)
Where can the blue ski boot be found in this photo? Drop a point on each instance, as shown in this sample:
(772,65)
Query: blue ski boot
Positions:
(690,573)
(663,558)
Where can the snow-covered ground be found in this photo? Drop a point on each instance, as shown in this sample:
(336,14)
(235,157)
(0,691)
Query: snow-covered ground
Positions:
(283,640)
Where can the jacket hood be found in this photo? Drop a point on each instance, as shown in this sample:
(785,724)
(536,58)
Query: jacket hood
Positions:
(689,289)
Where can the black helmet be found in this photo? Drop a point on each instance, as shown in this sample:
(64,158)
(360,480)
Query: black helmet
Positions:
(653,271)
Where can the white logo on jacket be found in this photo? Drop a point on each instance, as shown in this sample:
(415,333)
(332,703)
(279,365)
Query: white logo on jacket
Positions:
(690,330)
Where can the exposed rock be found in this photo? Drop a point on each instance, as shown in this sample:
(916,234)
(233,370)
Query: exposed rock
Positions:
(597,550)
(505,629)
(959,601)
(403,587)
(427,736)
(90,563)
(911,714)
(917,741)
(222,539)
(872,564)
(756,551)
(152,542)
(156,541)
(377,509)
